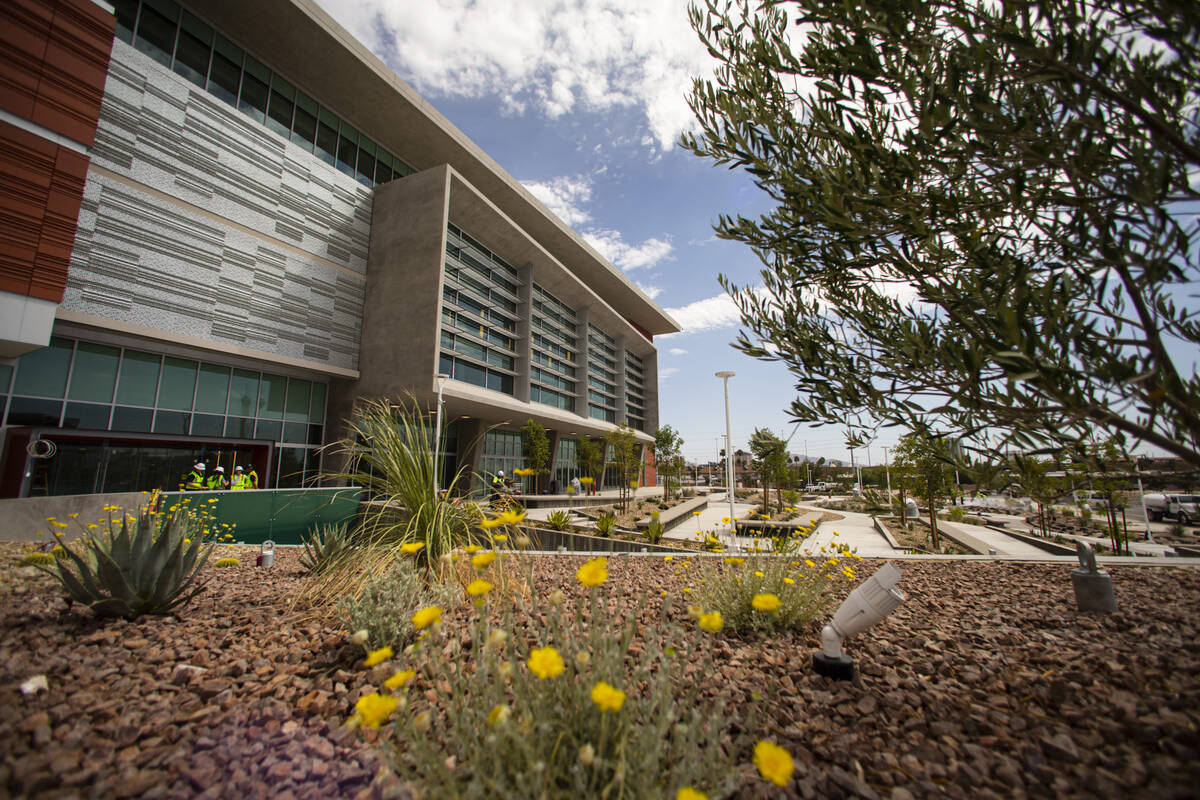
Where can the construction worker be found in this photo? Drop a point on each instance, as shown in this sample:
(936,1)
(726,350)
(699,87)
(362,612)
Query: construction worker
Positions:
(217,480)
(194,480)
(240,479)
(251,478)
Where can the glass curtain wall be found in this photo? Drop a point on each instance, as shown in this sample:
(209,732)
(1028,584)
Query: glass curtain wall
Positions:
(502,450)
(602,375)
(552,351)
(635,392)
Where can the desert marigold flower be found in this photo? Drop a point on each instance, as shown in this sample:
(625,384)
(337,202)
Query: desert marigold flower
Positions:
(426,617)
(607,697)
(789,581)
(472,548)
(511,517)
(695,513)
(478,588)
(712,622)
(688,793)
(378,656)
(374,708)
(687,590)
(724,520)
(411,547)
(481,560)
(668,558)
(488,524)
(594,572)
(545,662)
(400,679)
(499,715)
(833,562)
(765,602)
(735,561)
(809,563)
(849,573)
(499,537)
(773,762)
(758,573)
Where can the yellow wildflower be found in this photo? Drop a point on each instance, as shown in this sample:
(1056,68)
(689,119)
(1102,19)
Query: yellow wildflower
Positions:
(488,524)
(688,793)
(712,622)
(478,588)
(374,708)
(765,602)
(481,560)
(789,581)
(545,662)
(607,698)
(400,679)
(426,616)
(724,520)
(378,656)
(773,762)
(499,537)
(411,547)
(499,715)
(849,573)
(511,517)
(735,561)
(758,573)
(472,548)
(809,563)
(594,572)
(668,558)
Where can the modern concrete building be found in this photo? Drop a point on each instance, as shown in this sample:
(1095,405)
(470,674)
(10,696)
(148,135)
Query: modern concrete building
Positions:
(223,222)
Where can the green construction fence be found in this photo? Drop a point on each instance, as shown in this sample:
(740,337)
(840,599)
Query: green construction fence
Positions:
(281,515)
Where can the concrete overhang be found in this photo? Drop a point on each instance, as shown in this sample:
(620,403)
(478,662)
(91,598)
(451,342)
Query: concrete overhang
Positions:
(302,42)
(500,232)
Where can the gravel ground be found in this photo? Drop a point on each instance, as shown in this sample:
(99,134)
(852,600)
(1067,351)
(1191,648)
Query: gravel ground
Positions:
(986,683)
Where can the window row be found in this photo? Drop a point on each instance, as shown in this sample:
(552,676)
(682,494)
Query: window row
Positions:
(466,347)
(464,302)
(552,347)
(550,362)
(95,373)
(464,280)
(605,414)
(473,254)
(553,306)
(551,380)
(549,397)
(191,48)
(464,323)
(460,370)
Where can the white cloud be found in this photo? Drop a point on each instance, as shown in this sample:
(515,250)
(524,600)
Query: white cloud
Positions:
(677,351)
(609,244)
(564,196)
(663,374)
(650,291)
(708,314)
(551,56)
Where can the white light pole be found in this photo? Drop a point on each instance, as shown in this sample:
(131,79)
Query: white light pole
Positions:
(437,435)
(887,470)
(725,376)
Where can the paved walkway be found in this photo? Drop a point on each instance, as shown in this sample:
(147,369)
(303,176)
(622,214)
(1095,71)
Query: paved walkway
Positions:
(856,531)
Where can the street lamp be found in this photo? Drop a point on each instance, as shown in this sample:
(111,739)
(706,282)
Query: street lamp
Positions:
(725,375)
(437,435)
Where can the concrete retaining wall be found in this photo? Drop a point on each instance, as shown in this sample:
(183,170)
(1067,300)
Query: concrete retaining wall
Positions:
(22,517)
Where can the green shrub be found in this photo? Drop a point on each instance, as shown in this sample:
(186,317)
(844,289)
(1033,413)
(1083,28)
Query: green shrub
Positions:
(730,585)
(1176,530)
(605,524)
(324,546)
(146,566)
(559,520)
(957,514)
(506,732)
(386,604)
(654,529)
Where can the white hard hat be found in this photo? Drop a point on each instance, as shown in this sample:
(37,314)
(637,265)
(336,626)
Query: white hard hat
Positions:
(500,473)
(238,468)
(199,465)
(220,469)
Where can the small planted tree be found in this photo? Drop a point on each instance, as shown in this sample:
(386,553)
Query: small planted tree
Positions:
(589,457)
(923,461)
(771,461)
(626,459)
(667,460)
(537,451)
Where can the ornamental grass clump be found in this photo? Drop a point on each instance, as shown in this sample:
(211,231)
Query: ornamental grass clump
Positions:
(558,520)
(765,593)
(541,704)
(385,606)
(131,565)
(325,546)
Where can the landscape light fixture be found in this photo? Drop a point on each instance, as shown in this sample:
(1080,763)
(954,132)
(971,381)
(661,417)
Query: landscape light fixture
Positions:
(725,375)
(871,601)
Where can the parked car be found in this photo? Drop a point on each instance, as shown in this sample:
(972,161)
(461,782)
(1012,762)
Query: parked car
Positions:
(1182,507)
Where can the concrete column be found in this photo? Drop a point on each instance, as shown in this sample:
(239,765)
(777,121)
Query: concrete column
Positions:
(524,326)
(581,371)
(650,390)
(622,406)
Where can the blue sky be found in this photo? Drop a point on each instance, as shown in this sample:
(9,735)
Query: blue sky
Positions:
(583,101)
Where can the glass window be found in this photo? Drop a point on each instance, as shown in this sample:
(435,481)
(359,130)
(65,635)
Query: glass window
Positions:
(283,104)
(327,135)
(173,422)
(255,78)
(347,152)
(304,126)
(295,432)
(291,467)
(6,372)
(86,416)
(177,386)
(126,17)
(33,411)
(156,30)
(383,166)
(366,161)
(270,397)
(94,372)
(193,50)
(207,425)
(243,393)
(139,378)
(225,74)
(266,429)
(212,389)
(132,419)
(297,401)
(43,373)
(239,428)
(314,435)
(316,409)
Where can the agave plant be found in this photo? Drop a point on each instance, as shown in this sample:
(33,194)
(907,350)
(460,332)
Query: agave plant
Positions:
(148,567)
(654,529)
(605,524)
(558,520)
(324,546)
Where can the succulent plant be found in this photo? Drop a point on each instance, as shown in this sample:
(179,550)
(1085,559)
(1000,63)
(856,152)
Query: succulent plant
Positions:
(605,524)
(324,546)
(148,567)
(558,520)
